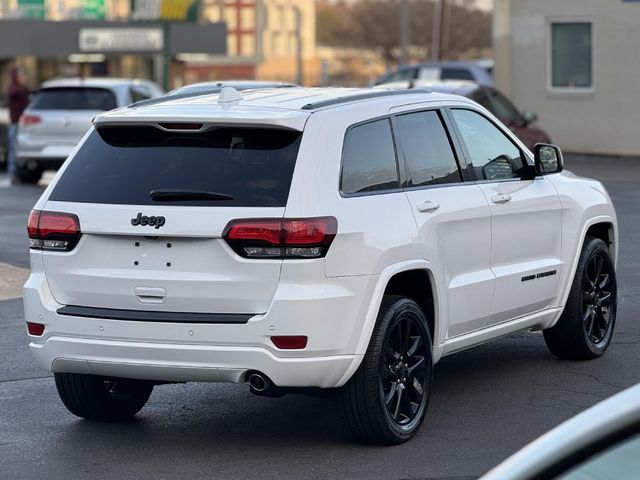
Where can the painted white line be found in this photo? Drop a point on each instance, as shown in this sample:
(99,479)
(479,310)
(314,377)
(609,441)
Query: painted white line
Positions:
(11,281)
(4,181)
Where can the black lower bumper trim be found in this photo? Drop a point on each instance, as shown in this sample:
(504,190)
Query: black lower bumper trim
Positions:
(154,316)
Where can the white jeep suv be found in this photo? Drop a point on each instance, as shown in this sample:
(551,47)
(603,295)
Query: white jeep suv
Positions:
(338,239)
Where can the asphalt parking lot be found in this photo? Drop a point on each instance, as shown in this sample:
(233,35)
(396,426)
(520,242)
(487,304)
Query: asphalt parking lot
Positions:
(487,402)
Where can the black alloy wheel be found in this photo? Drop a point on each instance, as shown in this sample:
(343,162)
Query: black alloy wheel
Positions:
(597,296)
(585,328)
(403,370)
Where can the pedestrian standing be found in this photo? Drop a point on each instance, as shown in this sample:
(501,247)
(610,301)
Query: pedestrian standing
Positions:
(18,98)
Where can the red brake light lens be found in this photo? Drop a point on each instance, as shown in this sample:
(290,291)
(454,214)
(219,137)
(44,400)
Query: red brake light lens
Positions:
(282,238)
(35,329)
(26,120)
(53,230)
(256,230)
(290,342)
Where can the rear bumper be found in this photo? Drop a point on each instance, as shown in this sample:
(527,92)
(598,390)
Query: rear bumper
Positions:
(331,314)
(184,363)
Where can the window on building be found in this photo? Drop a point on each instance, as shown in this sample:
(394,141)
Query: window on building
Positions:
(571,55)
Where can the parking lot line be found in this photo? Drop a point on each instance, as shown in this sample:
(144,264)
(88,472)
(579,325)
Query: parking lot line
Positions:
(11,281)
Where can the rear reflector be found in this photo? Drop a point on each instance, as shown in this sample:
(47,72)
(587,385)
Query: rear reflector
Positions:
(26,120)
(53,230)
(290,342)
(281,238)
(35,329)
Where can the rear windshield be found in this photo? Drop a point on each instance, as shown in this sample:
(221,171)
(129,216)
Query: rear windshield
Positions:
(74,98)
(122,165)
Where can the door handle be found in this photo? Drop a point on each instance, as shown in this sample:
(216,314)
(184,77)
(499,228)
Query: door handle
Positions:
(428,206)
(501,198)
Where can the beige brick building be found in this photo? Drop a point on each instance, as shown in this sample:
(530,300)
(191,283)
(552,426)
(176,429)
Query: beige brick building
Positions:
(575,63)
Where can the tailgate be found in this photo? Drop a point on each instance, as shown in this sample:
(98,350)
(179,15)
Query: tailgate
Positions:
(143,251)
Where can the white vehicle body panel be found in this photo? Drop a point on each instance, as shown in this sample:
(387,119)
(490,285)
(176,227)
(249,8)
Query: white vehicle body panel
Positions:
(474,252)
(604,419)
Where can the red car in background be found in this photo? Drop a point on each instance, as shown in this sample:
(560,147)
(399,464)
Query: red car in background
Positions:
(520,123)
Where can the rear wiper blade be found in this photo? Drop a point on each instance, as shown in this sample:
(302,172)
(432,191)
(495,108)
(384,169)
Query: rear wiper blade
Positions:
(173,194)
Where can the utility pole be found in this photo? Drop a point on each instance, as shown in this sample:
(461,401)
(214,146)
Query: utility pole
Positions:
(299,52)
(438,27)
(405,33)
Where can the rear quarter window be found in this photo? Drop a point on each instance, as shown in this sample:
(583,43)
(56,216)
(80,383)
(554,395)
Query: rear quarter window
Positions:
(74,98)
(122,165)
(369,159)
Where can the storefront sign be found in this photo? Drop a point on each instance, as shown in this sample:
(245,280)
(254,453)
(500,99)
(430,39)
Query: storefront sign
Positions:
(92,10)
(31,9)
(104,40)
(164,10)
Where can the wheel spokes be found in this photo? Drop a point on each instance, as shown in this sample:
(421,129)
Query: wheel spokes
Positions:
(400,389)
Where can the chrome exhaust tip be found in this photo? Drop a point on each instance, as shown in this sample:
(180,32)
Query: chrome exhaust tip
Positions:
(259,383)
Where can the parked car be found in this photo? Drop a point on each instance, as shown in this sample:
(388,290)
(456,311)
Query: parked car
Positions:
(215,87)
(602,443)
(479,72)
(60,114)
(522,123)
(294,239)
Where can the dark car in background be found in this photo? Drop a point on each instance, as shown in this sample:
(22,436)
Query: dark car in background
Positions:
(519,122)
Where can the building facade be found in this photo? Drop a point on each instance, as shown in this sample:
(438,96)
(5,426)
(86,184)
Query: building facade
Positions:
(575,63)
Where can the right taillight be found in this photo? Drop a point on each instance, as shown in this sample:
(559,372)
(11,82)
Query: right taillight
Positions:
(53,230)
(281,238)
(26,120)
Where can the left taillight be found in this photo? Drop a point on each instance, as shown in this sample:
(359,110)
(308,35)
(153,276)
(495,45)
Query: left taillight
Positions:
(59,231)
(279,238)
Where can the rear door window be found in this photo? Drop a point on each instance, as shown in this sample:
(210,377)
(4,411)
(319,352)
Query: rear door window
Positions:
(74,98)
(122,165)
(426,149)
(369,159)
(449,73)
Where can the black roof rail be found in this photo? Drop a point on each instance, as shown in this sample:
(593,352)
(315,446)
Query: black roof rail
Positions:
(361,96)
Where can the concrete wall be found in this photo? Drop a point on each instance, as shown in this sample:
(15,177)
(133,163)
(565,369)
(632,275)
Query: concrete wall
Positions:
(604,120)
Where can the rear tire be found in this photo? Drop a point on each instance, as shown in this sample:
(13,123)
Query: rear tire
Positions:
(28,176)
(386,400)
(586,325)
(102,398)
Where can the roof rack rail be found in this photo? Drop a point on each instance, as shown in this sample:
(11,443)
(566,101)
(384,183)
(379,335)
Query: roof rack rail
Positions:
(177,96)
(361,96)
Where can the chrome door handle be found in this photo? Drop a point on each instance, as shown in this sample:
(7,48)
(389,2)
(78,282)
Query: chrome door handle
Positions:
(501,198)
(428,206)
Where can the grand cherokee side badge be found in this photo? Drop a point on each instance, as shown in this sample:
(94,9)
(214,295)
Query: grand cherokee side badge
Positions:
(153,221)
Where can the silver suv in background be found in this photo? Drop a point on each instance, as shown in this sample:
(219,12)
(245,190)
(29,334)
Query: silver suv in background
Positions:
(61,112)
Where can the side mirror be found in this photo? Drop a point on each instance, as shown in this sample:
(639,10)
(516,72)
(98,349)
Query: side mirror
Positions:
(548,159)
(529,117)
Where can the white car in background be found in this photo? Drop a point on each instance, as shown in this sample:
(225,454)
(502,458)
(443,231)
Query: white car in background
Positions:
(344,239)
(602,443)
(60,114)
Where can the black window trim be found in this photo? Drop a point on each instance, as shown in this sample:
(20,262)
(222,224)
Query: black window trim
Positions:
(459,159)
(399,172)
(506,132)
